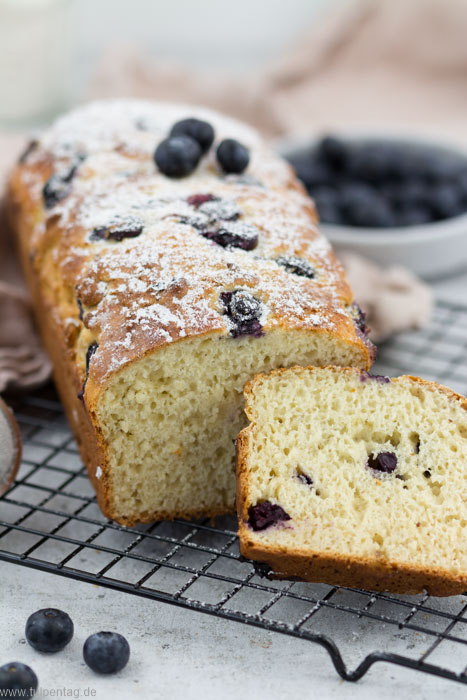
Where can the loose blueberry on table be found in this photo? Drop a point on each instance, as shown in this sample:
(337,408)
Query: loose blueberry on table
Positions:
(49,630)
(17,680)
(106,652)
(380,184)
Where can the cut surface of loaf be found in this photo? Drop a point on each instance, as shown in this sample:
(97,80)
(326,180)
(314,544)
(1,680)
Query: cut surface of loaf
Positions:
(355,480)
(158,297)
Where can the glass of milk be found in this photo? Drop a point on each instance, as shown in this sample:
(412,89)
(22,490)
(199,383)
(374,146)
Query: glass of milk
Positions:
(34,60)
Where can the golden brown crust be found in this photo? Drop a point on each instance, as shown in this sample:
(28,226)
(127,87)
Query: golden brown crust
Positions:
(352,572)
(133,297)
(317,567)
(8,413)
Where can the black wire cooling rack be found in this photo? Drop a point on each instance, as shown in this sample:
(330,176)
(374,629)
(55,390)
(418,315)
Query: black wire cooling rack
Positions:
(49,520)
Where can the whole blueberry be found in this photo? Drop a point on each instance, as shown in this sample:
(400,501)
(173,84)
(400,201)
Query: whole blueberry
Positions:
(334,151)
(440,167)
(312,172)
(233,157)
(445,201)
(202,132)
(362,205)
(17,681)
(106,652)
(370,162)
(327,204)
(413,215)
(410,192)
(177,156)
(49,630)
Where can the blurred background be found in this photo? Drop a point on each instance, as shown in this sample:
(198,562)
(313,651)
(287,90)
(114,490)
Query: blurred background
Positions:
(386,78)
(50,49)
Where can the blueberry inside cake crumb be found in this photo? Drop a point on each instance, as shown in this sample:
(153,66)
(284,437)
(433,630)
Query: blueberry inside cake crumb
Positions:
(58,186)
(234,235)
(381,379)
(195,200)
(265,514)
(220,209)
(385,462)
(303,477)
(89,353)
(129,228)
(244,310)
(359,318)
(297,266)
(80,308)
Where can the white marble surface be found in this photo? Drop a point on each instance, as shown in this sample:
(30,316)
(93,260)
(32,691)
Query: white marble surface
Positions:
(183,654)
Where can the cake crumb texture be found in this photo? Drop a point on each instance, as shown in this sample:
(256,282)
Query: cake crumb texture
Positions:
(372,474)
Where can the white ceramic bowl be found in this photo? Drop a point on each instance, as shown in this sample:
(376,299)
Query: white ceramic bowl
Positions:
(430,250)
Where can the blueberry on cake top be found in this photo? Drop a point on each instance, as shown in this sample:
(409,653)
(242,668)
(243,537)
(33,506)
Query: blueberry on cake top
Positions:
(355,483)
(197,129)
(140,268)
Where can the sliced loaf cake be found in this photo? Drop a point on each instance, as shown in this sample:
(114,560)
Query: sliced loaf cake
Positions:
(354,479)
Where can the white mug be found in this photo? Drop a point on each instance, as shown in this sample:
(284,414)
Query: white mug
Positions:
(34,60)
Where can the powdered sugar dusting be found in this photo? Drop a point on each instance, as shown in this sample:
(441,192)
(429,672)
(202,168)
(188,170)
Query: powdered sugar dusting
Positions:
(164,284)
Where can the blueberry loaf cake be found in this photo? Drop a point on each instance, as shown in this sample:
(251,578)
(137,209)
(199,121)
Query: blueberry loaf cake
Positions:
(170,257)
(355,479)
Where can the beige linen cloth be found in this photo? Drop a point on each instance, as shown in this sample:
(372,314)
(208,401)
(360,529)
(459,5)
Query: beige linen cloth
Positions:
(374,63)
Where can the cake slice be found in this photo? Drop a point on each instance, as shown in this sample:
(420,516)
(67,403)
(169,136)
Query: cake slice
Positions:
(354,479)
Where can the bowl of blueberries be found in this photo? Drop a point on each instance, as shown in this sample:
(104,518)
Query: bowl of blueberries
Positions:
(398,200)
